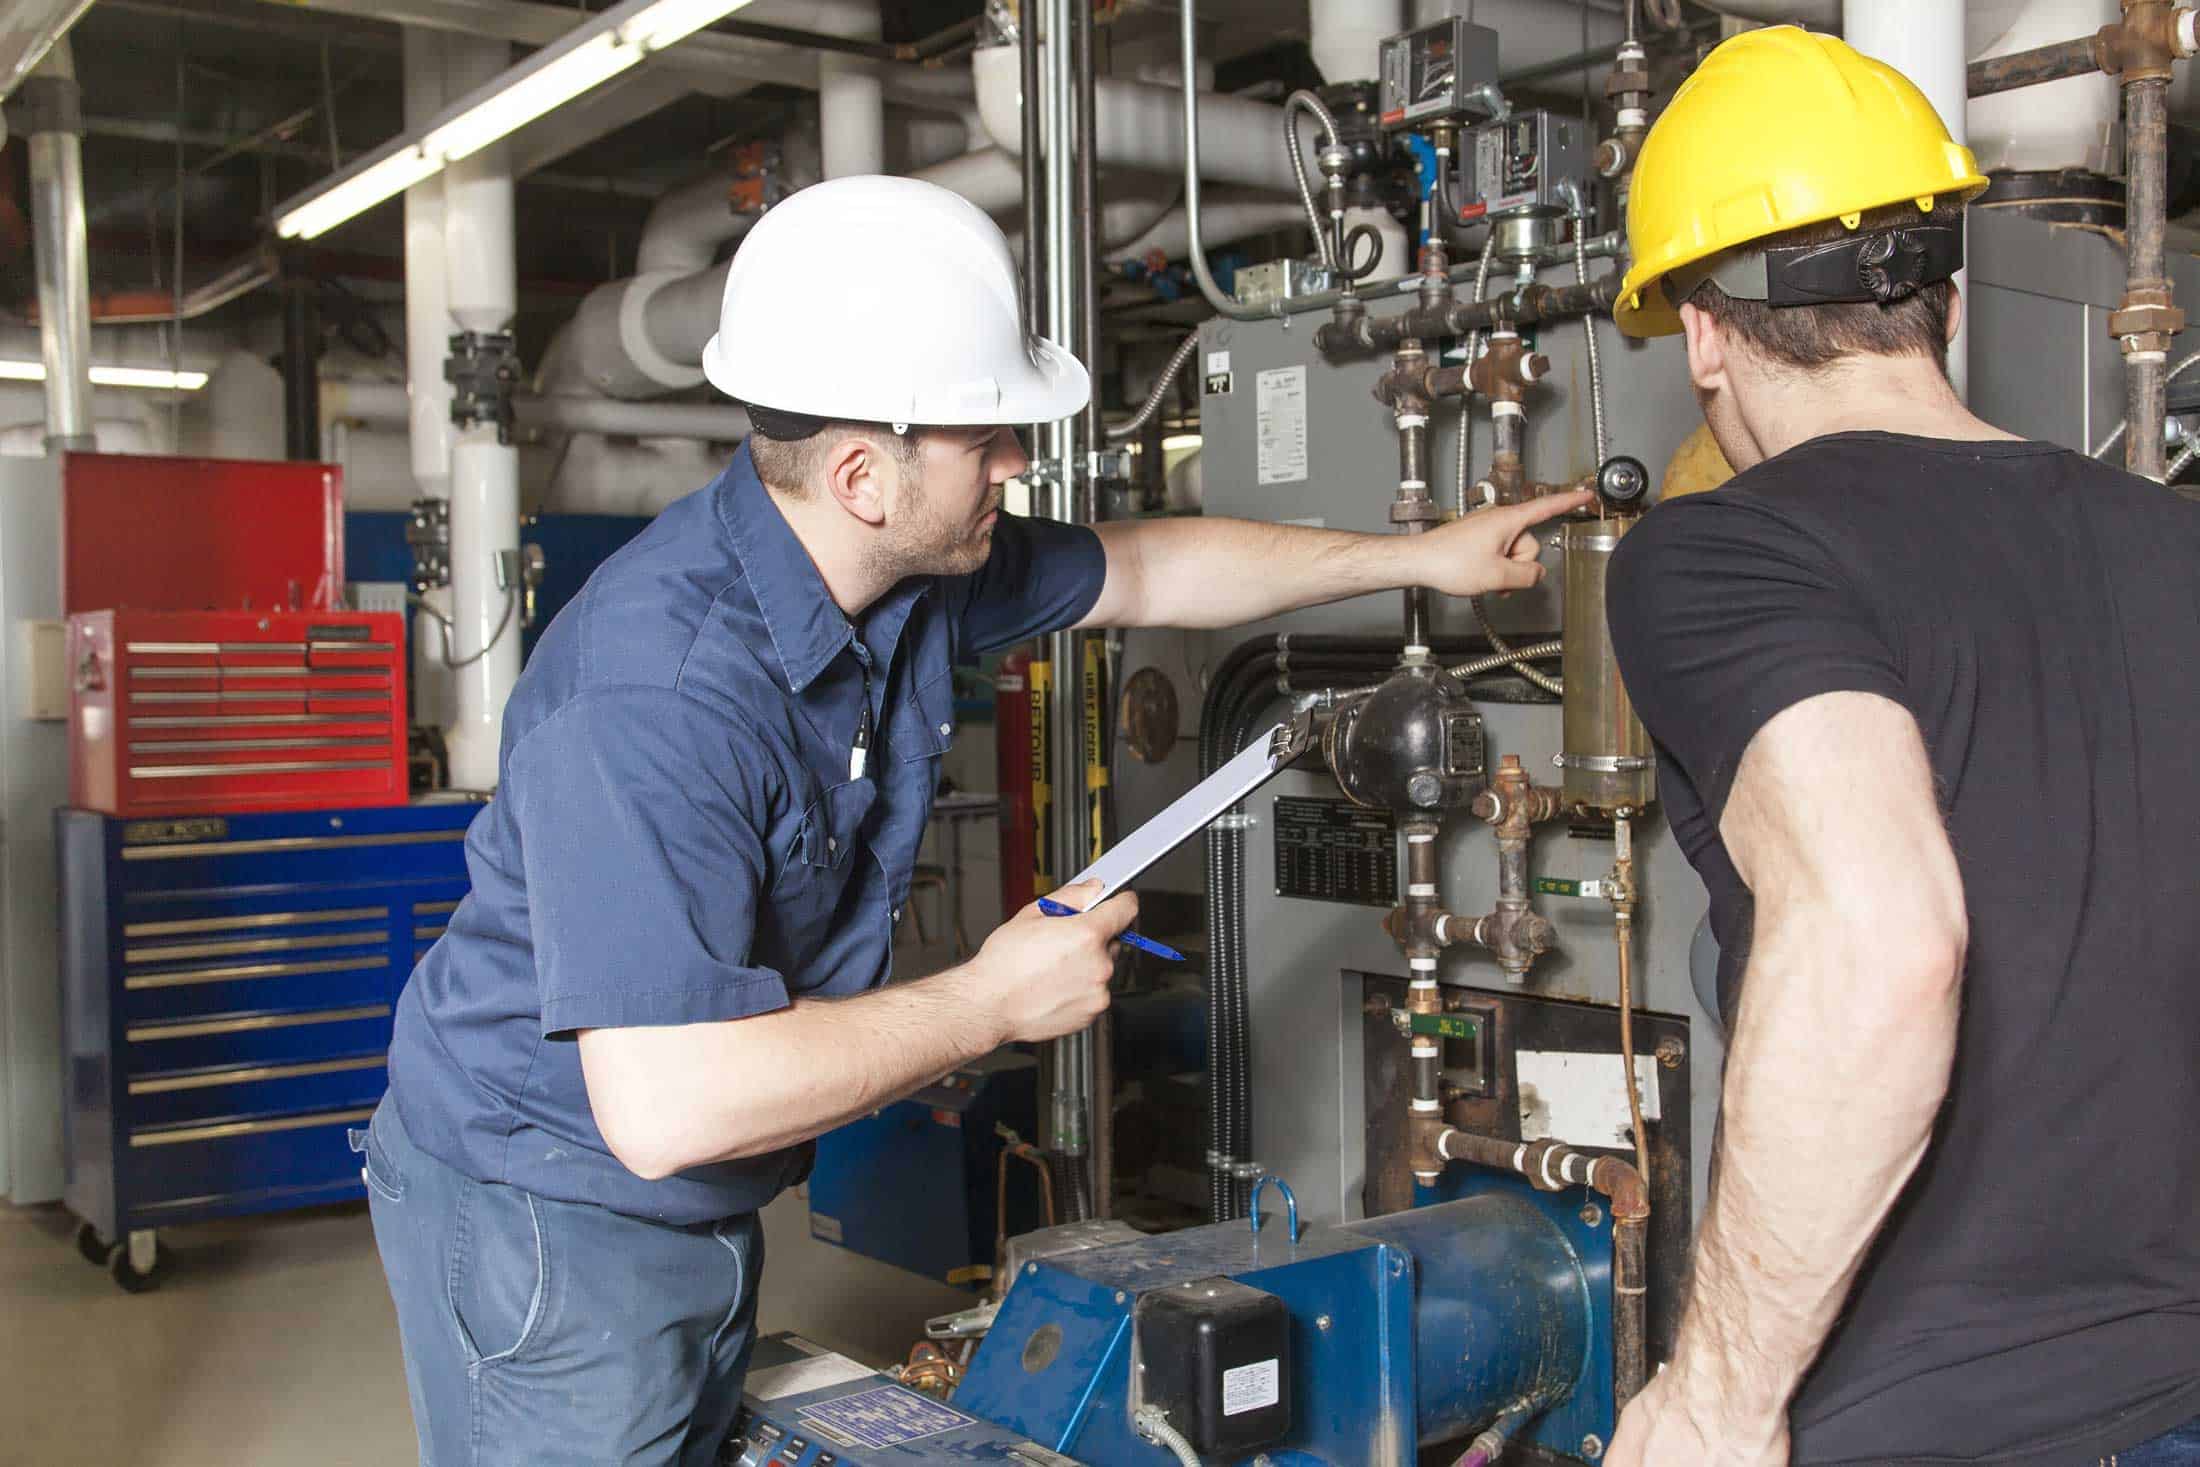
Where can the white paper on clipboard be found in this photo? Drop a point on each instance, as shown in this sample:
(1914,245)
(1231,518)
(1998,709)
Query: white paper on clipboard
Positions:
(1185,817)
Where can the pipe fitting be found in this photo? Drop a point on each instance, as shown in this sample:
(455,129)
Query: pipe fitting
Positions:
(2143,45)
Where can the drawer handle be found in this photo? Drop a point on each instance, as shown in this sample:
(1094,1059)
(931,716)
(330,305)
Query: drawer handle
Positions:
(250,1074)
(264,766)
(248,1128)
(230,947)
(230,972)
(290,843)
(263,919)
(254,1024)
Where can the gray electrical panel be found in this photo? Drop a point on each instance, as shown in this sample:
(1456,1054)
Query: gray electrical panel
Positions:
(1435,73)
(1528,162)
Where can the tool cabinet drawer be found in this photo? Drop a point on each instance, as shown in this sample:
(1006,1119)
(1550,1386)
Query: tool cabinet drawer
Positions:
(256,1091)
(245,1159)
(326,983)
(277,1037)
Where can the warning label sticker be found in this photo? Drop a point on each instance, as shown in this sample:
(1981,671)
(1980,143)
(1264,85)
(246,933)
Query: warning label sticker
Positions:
(1280,395)
(886,1417)
(1250,1387)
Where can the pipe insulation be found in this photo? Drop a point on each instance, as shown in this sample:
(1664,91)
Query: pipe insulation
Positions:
(1139,125)
(383,404)
(62,258)
(1924,40)
(1346,35)
(851,97)
(479,254)
(2055,125)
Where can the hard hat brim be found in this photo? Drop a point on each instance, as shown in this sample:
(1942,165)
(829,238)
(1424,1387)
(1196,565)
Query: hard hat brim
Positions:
(1054,386)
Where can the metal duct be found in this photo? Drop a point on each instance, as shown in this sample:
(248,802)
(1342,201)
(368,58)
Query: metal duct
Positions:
(56,127)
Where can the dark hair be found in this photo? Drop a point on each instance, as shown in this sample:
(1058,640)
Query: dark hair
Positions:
(1810,337)
(788,463)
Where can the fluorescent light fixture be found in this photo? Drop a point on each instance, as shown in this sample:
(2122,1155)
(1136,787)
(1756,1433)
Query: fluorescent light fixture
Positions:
(1176,441)
(159,378)
(575,63)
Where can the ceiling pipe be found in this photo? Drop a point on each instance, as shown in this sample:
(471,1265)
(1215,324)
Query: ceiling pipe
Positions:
(1138,125)
(52,107)
(851,99)
(384,404)
(1346,35)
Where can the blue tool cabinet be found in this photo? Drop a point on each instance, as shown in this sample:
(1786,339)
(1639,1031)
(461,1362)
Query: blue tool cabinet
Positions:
(229,986)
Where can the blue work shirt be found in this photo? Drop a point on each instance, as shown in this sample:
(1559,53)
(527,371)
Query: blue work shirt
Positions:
(675,837)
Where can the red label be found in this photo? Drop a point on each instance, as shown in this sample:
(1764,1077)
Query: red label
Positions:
(1473,211)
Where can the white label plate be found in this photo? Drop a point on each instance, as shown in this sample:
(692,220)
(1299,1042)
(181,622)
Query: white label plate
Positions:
(1280,394)
(1581,1099)
(1250,1387)
(799,1376)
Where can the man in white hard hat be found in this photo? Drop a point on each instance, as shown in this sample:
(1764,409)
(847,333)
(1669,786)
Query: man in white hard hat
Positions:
(670,974)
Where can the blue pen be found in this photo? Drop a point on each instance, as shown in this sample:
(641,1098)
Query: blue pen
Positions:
(1054,908)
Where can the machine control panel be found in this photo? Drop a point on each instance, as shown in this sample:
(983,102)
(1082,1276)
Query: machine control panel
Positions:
(1436,74)
(1528,163)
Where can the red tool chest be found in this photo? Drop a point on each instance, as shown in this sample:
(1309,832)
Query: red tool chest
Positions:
(200,534)
(176,712)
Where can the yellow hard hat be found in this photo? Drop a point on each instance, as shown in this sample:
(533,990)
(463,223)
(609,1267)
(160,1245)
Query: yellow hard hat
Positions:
(1778,128)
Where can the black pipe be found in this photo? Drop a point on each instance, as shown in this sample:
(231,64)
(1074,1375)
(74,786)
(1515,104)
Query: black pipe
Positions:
(2029,68)
(2146,275)
(301,370)
(1532,306)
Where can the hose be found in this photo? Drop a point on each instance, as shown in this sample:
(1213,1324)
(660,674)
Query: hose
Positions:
(1304,100)
(1589,326)
(1517,659)
(2117,436)
(1486,1448)
(2184,458)
(1129,427)
(1540,651)
(511,601)
(1481,285)
(1154,1427)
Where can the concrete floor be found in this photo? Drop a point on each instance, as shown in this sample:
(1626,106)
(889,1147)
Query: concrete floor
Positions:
(272,1342)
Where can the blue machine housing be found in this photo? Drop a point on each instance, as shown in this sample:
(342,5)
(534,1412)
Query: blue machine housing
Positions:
(1406,1330)
(914,1183)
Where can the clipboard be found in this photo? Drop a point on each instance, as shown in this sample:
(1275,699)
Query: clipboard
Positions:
(1193,811)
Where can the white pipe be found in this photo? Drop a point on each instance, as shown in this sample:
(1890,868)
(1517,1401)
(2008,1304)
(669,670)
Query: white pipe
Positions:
(346,400)
(1824,15)
(1140,125)
(1923,39)
(427,296)
(1346,35)
(687,225)
(851,98)
(987,176)
(479,254)
(1222,220)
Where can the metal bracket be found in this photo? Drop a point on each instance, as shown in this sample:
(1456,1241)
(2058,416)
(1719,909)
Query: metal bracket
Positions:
(428,536)
(483,370)
(1290,1203)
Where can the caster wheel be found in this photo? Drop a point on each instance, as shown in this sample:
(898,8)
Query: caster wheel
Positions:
(89,1243)
(128,1277)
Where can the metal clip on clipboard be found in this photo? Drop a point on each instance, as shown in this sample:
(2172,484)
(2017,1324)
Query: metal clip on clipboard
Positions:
(1195,809)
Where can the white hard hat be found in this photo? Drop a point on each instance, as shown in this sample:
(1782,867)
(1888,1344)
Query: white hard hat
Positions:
(885,300)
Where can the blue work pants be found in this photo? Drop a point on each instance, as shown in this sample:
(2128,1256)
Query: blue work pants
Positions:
(545,1332)
(2179,1448)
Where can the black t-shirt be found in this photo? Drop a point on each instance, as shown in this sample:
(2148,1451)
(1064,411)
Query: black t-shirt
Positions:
(2035,1296)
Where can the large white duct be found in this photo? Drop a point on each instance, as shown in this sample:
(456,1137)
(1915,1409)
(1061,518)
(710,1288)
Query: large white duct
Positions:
(1223,219)
(1139,125)
(383,405)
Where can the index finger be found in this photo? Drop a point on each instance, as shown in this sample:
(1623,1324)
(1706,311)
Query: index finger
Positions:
(1517,517)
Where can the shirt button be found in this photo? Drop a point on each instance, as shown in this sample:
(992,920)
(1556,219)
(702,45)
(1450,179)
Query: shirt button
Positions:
(947,730)
(832,846)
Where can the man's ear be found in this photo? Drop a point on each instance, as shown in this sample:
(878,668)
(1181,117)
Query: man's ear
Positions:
(1707,349)
(854,471)
(1955,312)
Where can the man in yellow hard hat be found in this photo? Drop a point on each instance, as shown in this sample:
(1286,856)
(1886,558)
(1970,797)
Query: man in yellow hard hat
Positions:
(1924,696)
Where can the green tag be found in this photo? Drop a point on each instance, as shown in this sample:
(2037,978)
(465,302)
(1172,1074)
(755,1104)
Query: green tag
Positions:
(1448,1026)
(1556,886)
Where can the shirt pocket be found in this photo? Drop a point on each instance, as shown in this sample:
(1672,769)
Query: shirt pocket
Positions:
(929,729)
(820,860)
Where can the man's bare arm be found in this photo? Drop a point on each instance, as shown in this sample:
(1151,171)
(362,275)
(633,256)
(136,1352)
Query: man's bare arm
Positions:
(1838,1066)
(673,1097)
(1210,573)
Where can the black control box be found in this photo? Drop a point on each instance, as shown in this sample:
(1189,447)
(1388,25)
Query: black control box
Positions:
(1216,1356)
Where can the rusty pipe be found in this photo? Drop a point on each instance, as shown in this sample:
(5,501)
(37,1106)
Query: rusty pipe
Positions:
(2147,317)
(1353,333)
(1552,1166)
(1421,909)
(2145,42)
(2029,68)
(1514,933)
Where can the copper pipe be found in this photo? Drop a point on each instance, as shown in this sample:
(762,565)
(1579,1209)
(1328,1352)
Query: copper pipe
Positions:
(2030,68)
(1551,1166)
(1623,928)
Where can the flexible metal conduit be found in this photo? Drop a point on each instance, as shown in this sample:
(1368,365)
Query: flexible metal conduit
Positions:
(1303,100)
(1129,428)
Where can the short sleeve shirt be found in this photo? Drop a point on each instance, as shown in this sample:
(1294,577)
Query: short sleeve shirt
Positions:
(678,835)
(2034,1299)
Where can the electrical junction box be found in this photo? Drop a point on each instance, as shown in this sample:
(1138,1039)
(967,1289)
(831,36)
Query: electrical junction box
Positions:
(1215,1356)
(1522,164)
(1275,280)
(1433,74)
